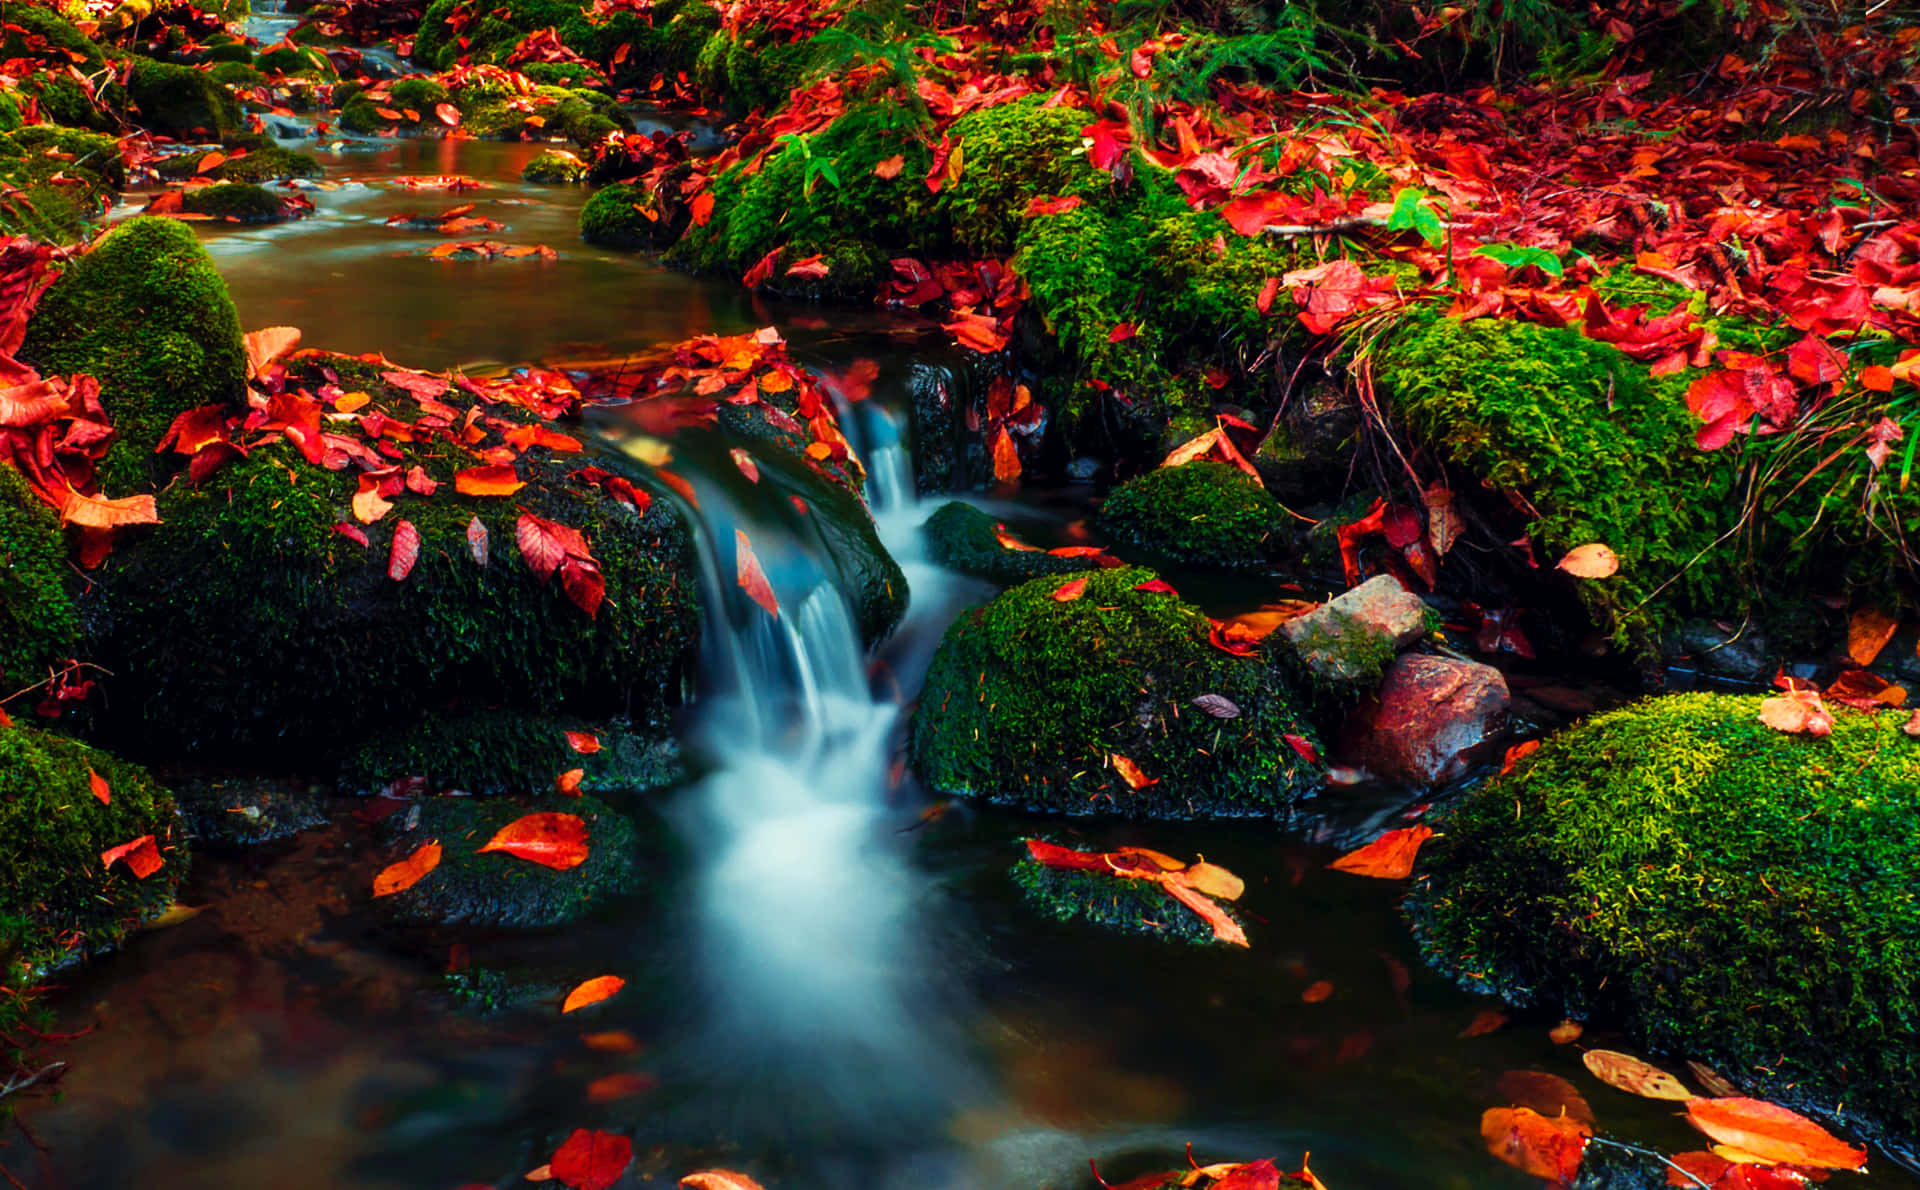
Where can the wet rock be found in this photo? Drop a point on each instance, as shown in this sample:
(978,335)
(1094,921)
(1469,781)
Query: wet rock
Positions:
(242,202)
(961,537)
(180,101)
(507,752)
(1308,452)
(1346,641)
(1734,651)
(245,812)
(257,165)
(1043,703)
(554,169)
(38,624)
(58,904)
(493,888)
(1121,905)
(1431,720)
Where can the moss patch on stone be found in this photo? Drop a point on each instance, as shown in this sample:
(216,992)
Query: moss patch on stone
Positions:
(57,905)
(1124,905)
(38,624)
(272,163)
(612,218)
(1725,890)
(493,888)
(504,752)
(961,537)
(241,201)
(1028,698)
(554,169)
(180,101)
(1201,513)
(64,178)
(147,314)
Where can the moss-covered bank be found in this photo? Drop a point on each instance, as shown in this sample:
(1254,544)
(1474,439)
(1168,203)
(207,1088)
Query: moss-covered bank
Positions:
(1029,699)
(1725,890)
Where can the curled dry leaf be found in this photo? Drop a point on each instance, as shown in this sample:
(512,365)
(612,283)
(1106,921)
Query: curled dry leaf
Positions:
(1389,857)
(1634,1076)
(552,840)
(1773,1133)
(1535,1144)
(1592,560)
(98,512)
(592,992)
(402,876)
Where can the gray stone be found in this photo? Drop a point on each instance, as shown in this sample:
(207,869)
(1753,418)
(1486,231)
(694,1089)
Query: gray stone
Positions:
(1432,719)
(1346,640)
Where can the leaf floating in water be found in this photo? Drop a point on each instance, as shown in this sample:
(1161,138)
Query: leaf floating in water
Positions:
(1534,1144)
(752,579)
(408,872)
(553,840)
(591,1160)
(744,461)
(1566,1032)
(719,1179)
(1548,1094)
(622,1084)
(1317,991)
(1484,1022)
(1633,1076)
(1772,1133)
(1389,857)
(592,992)
(1217,705)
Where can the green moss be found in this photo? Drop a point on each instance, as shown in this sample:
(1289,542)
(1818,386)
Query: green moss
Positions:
(257,165)
(1011,154)
(612,218)
(229,52)
(554,169)
(497,889)
(236,200)
(751,70)
(1729,891)
(245,624)
(180,101)
(39,31)
(420,94)
(63,101)
(56,903)
(961,537)
(63,178)
(38,625)
(147,314)
(1028,697)
(1116,903)
(496,752)
(236,74)
(1201,513)
(295,60)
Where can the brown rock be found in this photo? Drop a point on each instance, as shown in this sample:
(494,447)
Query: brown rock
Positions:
(1347,639)
(1432,719)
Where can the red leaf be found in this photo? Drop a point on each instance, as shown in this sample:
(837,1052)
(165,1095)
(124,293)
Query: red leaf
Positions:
(1122,332)
(592,992)
(1304,747)
(568,783)
(267,345)
(977,331)
(591,1160)
(1160,585)
(583,742)
(1006,456)
(760,272)
(1070,590)
(1389,857)
(1130,772)
(1773,1133)
(1052,206)
(752,579)
(701,208)
(1268,292)
(550,839)
(100,787)
(449,114)
(405,552)
(812,268)
(351,532)
(142,856)
(546,544)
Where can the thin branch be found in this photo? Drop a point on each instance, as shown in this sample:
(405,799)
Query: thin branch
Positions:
(21,1082)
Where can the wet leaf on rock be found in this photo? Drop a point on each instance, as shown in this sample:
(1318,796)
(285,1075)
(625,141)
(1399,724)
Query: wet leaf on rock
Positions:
(1773,1133)
(1535,1144)
(550,839)
(476,540)
(1389,857)
(101,790)
(142,856)
(399,877)
(1634,1076)
(1131,773)
(592,991)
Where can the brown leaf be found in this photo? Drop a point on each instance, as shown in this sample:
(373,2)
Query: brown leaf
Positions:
(592,992)
(1215,881)
(1797,712)
(1534,1144)
(408,872)
(1712,1080)
(1592,560)
(1566,1032)
(1389,857)
(1867,633)
(1444,523)
(1773,1133)
(1484,1022)
(752,579)
(552,840)
(1634,1076)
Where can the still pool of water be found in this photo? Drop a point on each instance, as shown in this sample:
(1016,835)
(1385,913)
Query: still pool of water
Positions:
(824,988)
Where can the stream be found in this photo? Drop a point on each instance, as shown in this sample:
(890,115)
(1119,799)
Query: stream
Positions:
(826,987)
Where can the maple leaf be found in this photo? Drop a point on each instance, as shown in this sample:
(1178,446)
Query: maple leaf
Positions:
(1389,857)
(752,579)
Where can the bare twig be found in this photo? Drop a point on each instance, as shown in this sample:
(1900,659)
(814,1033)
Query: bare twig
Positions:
(22,1081)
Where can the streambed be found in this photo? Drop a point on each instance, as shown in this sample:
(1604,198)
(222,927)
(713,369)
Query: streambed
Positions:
(824,987)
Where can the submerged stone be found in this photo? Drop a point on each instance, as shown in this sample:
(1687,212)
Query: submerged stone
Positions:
(1721,889)
(240,812)
(1034,701)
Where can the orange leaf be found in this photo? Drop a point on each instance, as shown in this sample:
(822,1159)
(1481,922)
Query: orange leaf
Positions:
(142,856)
(1867,633)
(100,788)
(890,168)
(1797,712)
(210,162)
(1224,927)
(1006,457)
(552,840)
(592,992)
(495,479)
(752,579)
(614,1041)
(1389,857)
(97,512)
(622,1084)
(1534,1144)
(1592,560)
(1566,1032)
(1130,772)
(368,504)
(719,1179)
(1773,1133)
(1009,542)
(449,114)
(1317,991)
(583,742)
(408,872)
(775,382)
(1484,1022)
(702,208)
(267,345)
(1069,591)
(745,463)
(568,782)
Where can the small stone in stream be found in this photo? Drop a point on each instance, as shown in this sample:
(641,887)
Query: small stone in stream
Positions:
(1431,720)
(1727,651)
(245,812)
(1346,641)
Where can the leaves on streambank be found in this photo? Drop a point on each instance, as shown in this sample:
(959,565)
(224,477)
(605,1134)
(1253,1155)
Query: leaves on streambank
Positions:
(1194,885)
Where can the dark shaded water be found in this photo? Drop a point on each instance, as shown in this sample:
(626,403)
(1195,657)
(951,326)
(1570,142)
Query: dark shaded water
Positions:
(821,991)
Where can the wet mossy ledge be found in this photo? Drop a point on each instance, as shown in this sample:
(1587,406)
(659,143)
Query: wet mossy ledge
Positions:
(1029,700)
(1121,904)
(1723,890)
(39,628)
(965,539)
(1200,513)
(58,905)
(503,752)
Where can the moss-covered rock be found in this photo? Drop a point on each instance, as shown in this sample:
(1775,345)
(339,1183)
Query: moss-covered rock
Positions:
(38,625)
(751,70)
(147,314)
(236,74)
(1014,153)
(554,169)
(288,59)
(244,623)
(1199,514)
(59,181)
(1725,890)
(240,201)
(180,101)
(242,812)
(1124,905)
(615,217)
(268,164)
(39,31)
(493,888)
(65,102)
(57,905)
(502,752)
(410,100)
(1029,699)
(963,538)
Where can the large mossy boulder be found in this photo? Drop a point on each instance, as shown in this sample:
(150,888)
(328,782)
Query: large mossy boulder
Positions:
(181,102)
(147,314)
(1197,514)
(1724,890)
(613,218)
(57,904)
(495,888)
(1031,700)
(506,752)
(248,622)
(38,624)
(241,202)
(65,180)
